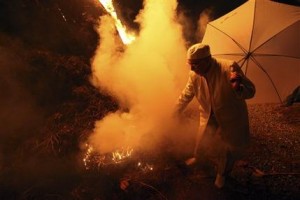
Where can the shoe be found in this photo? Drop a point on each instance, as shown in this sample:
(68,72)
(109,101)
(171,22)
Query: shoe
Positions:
(186,166)
(220,181)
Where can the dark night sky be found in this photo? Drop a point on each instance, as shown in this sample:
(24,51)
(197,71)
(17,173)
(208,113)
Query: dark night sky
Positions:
(51,25)
(128,9)
(41,20)
(192,7)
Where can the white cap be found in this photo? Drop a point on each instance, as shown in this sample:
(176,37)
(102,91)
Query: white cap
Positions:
(198,51)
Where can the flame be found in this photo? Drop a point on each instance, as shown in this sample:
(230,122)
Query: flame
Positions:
(127,38)
(93,159)
(120,155)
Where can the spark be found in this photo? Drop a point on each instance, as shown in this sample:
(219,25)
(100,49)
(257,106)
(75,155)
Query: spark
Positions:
(62,14)
(145,167)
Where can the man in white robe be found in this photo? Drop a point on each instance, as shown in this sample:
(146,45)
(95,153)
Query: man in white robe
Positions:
(221,88)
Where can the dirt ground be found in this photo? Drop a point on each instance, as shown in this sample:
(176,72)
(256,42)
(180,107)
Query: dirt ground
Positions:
(269,171)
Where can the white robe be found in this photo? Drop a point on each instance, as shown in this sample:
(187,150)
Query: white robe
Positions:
(214,93)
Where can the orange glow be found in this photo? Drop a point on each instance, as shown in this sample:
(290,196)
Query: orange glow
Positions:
(146,78)
(93,158)
(126,37)
(120,155)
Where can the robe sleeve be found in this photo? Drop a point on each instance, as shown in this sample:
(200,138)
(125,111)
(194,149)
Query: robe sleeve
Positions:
(186,96)
(247,89)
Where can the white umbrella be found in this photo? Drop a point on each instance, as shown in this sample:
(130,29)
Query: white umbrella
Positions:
(263,37)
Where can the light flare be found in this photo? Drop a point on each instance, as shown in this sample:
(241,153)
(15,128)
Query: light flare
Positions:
(126,37)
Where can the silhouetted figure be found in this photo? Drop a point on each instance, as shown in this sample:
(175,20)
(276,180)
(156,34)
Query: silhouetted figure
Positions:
(292,98)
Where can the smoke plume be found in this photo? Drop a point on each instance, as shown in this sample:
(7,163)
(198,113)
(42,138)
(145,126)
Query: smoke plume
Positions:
(145,76)
(204,18)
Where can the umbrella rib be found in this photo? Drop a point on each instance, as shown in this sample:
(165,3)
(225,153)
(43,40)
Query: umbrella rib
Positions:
(276,55)
(228,54)
(245,60)
(251,38)
(271,37)
(259,66)
(238,44)
(235,54)
(246,67)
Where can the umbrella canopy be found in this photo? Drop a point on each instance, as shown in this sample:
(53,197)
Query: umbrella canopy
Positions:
(263,37)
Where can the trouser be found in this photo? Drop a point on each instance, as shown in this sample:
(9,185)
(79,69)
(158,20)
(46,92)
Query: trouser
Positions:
(215,149)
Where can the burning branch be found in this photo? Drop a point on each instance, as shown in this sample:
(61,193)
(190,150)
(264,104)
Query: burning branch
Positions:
(126,37)
(91,157)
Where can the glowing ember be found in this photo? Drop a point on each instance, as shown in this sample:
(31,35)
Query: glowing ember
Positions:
(120,155)
(145,167)
(92,159)
(127,38)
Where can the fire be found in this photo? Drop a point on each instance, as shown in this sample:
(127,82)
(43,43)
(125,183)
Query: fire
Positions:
(93,159)
(126,37)
(120,155)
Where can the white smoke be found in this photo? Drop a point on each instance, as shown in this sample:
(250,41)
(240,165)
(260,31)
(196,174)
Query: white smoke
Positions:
(145,76)
(204,18)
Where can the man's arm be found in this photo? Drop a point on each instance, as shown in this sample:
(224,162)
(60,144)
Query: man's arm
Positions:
(186,96)
(243,86)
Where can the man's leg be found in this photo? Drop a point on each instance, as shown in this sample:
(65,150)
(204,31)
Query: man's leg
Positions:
(225,165)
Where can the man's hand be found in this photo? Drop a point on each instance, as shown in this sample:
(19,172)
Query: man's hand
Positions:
(235,80)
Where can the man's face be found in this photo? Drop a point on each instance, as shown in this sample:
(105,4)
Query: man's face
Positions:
(200,66)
